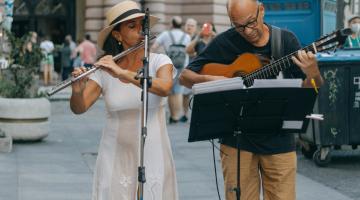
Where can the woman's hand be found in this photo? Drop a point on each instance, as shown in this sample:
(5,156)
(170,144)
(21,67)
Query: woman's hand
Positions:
(107,63)
(79,86)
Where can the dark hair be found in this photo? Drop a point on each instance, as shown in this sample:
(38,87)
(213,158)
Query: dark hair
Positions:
(66,42)
(353,18)
(175,24)
(87,36)
(111,46)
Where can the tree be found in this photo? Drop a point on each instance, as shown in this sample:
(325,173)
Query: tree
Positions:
(17,80)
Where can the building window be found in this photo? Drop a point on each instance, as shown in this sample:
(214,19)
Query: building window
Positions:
(20,8)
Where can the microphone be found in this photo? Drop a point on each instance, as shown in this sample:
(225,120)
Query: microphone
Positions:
(146,23)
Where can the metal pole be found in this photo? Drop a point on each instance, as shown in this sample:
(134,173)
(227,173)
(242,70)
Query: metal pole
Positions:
(145,81)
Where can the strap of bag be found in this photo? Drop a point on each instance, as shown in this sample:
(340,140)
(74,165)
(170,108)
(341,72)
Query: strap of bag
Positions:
(182,38)
(173,39)
(276,46)
(276,43)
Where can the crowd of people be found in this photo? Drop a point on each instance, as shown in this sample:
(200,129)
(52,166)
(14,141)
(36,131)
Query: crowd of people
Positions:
(191,42)
(71,55)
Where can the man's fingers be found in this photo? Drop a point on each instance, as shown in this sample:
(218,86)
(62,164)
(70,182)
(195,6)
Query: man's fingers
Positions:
(296,61)
(310,55)
(301,55)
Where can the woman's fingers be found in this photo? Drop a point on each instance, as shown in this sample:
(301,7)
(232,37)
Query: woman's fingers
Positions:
(77,71)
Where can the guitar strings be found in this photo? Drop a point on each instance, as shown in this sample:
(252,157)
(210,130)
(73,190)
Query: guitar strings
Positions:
(259,73)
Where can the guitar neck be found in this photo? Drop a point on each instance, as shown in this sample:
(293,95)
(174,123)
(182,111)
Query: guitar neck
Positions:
(274,68)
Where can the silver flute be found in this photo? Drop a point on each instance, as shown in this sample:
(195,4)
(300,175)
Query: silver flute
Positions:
(92,69)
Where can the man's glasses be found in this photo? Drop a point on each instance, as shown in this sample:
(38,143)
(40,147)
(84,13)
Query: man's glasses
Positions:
(251,24)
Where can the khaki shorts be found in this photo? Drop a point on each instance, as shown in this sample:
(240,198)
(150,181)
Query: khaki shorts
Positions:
(275,174)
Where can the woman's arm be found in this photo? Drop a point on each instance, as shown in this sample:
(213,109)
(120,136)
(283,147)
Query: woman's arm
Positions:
(84,93)
(161,84)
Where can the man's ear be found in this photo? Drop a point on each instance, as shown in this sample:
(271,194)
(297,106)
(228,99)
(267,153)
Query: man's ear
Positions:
(262,10)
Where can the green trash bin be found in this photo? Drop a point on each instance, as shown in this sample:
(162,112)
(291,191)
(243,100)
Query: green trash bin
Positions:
(339,102)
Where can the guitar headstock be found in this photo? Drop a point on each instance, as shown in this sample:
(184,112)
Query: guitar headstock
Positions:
(332,40)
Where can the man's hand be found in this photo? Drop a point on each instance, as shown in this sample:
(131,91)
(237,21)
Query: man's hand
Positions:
(307,63)
(215,78)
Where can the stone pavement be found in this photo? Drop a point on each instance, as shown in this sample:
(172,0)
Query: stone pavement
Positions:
(61,167)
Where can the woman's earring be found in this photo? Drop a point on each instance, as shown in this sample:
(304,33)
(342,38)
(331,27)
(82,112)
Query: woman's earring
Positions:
(119,42)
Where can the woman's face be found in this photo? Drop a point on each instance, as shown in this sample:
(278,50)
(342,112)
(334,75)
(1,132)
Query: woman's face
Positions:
(129,32)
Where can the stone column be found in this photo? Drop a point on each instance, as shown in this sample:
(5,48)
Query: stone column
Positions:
(94,17)
(200,10)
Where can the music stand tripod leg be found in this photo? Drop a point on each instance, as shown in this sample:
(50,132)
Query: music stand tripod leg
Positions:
(237,190)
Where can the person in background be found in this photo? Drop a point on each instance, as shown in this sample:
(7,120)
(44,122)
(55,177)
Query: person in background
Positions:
(72,46)
(72,43)
(166,39)
(201,40)
(89,51)
(191,29)
(47,64)
(33,37)
(353,40)
(66,63)
(78,62)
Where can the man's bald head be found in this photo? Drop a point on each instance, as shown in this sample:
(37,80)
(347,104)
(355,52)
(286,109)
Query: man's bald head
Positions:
(232,3)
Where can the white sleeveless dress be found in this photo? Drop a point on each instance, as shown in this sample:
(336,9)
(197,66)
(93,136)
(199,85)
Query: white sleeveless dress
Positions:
(115,176)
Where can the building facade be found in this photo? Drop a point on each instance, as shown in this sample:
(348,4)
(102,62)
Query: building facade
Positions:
(57,18)
(200,10)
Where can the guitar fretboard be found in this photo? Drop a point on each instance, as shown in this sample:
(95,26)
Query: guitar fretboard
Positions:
(273,68)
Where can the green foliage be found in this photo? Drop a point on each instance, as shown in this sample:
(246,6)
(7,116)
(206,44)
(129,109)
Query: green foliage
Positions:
(17,81)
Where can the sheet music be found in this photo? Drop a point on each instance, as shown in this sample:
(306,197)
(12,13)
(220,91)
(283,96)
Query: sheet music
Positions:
(277,83)
(218,85)
(237,83)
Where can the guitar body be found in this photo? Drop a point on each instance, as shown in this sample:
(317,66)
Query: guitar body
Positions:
(245,64)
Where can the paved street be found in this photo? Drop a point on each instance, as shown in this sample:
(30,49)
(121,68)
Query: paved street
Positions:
(61,167)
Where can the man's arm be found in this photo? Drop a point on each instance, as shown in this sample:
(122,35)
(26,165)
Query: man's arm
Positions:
(188,78)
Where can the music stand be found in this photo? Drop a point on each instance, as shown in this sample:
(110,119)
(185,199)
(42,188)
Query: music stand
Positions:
(250,111)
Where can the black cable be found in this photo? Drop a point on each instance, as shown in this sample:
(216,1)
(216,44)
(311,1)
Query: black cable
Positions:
(216,180)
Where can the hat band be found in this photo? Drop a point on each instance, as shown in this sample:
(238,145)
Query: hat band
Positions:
(125,14)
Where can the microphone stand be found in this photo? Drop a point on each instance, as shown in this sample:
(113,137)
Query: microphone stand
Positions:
(145,81)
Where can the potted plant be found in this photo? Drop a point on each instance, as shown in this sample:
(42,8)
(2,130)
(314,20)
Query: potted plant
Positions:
(24,114)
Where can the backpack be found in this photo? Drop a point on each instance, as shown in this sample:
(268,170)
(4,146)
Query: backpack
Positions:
(176,51)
